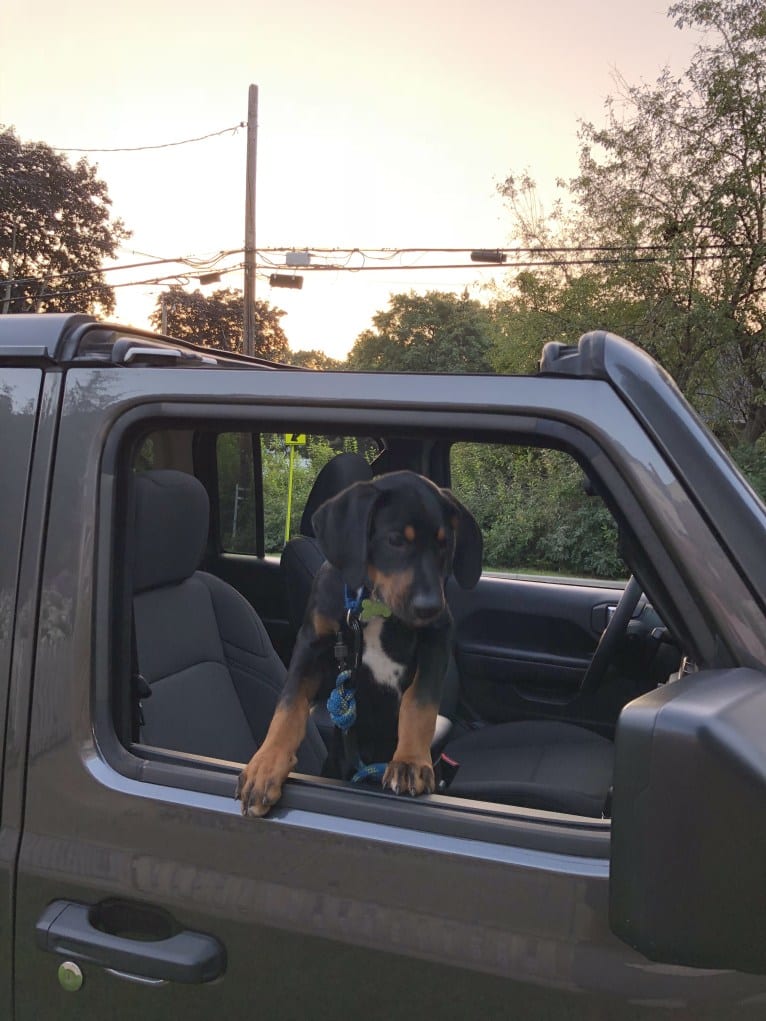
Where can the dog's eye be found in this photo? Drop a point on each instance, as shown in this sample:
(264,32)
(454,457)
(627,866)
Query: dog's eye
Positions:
(396,539)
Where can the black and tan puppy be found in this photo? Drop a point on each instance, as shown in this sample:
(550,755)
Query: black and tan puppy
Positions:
(397,537)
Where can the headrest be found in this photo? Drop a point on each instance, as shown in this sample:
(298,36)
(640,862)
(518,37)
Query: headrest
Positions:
(335,476)
(170,527)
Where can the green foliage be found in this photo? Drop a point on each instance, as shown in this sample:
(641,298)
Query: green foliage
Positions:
(672,188)
(55,231)
(436,332)
(533,511)
(314,360)
(307,463)
(235,479)
(751,459)
(544,307)
(217,321)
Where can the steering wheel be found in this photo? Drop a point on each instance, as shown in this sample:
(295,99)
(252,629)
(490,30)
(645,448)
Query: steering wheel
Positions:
(615,628)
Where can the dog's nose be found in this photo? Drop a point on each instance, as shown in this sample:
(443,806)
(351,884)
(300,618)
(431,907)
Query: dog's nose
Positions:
(425,606)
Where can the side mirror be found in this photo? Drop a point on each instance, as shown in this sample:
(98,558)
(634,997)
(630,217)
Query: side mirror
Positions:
(688,852)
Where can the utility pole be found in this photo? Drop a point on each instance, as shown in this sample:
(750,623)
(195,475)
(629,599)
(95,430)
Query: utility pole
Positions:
(248,331)
(10,281)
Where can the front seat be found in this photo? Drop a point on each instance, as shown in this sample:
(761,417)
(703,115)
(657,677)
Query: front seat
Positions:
(546,764)
(213,674)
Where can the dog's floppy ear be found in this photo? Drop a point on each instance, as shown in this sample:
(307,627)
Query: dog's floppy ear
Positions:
(342,526)
(469,545)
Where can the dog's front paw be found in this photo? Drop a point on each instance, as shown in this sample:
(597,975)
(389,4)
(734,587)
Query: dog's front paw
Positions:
(260,783)
(403,777)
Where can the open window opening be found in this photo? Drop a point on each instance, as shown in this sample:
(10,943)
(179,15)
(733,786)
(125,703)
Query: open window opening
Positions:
(216,558)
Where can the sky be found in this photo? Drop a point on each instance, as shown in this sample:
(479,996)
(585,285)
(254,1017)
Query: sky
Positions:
(380,125)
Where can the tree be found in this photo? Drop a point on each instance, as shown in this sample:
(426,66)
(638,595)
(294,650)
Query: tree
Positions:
(674,187)
(314,360)
(216,321)
(55,231)
(546,305)
(436,332)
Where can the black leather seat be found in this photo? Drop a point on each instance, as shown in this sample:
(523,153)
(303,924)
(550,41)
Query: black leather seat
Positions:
(213,673)
(538,764)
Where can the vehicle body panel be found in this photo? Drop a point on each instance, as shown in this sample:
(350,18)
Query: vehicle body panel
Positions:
(321,911)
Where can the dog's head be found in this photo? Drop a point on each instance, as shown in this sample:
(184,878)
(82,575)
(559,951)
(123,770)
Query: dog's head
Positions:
(401,535)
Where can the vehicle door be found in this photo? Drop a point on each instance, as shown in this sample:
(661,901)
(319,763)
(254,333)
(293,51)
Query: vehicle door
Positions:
(20,395)
(142,891)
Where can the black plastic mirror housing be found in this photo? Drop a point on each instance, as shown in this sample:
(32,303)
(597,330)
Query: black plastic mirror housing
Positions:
(688,852)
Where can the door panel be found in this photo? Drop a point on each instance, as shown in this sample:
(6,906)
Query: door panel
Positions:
(523,645)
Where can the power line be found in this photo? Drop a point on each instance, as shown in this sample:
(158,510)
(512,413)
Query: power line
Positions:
(164,145)
(198,263)
(511,250)
(197,267)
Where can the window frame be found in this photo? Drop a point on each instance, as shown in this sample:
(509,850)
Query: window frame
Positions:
(556,422)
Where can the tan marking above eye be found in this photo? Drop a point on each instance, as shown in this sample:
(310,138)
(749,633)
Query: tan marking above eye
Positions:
(441,535)
(409,533)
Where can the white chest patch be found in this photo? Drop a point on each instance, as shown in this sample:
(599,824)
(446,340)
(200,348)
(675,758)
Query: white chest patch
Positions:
(385,670)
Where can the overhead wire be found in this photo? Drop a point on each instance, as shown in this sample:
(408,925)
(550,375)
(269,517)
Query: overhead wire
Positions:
(163,145)
(200,266)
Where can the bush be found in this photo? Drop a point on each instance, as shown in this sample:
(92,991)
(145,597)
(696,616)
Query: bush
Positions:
(534,513)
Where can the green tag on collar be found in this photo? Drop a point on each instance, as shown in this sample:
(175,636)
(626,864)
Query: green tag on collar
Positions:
(373,608)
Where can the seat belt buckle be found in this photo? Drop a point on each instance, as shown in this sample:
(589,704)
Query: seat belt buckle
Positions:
(445,770)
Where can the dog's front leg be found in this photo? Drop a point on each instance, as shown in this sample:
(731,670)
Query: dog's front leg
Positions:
(410,771)
(260,782)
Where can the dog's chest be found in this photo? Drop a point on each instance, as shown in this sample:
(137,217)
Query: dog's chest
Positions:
(387,653)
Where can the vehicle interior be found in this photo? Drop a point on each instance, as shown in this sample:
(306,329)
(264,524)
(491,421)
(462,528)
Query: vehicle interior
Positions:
(216,554)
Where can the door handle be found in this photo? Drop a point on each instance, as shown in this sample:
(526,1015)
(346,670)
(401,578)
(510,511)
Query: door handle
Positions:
(155,949)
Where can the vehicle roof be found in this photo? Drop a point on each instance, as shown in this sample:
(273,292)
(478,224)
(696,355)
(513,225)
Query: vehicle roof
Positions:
(63,338)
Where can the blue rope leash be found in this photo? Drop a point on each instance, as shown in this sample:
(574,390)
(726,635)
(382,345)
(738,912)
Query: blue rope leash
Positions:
(341,705)
(374,771)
